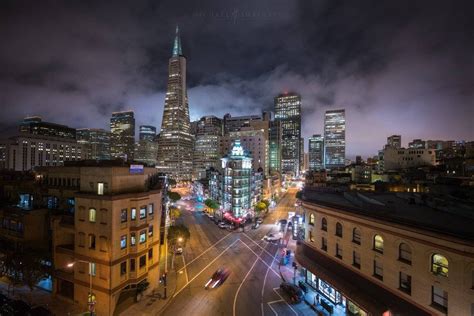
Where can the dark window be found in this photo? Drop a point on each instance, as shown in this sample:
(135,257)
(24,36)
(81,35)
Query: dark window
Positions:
(150,254)
(311,237)
(150,231)
(123,268)
(338,251)
(142,261)
(123,215)
(405,283)
(324,224)
(92,241)
(356,259)
(378,270)
(404,253)
(324,244)
(132,265)
(338,229)
(439,298)
(356,236)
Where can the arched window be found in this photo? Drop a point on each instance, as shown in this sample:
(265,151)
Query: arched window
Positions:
(92,215)
(439,265)
(356,236)
(324,224)
(378,243)
(338,229)
(404,253)
(311,219)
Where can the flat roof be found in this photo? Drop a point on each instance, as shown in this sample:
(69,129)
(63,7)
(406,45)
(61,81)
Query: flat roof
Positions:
(456,220)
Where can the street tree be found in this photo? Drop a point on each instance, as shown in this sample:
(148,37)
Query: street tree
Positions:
(259,207)
(211,204)
(177,234)
(174,213)
(174,196)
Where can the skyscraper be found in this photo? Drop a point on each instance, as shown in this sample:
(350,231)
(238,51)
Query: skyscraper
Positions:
(274,132)
(122,140)
(176,141)
(147,132)
(288,113)
(316,152)
(394,141)
(95,143)
(334,138)
(208,132)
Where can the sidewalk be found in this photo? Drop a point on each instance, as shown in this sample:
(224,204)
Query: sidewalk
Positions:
(40,297)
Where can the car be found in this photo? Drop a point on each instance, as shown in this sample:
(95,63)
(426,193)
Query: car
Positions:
(218,278)
(271,237)
(179,251)
(255,226)
(283,221)
(259,220)
(222,225)
(295,294)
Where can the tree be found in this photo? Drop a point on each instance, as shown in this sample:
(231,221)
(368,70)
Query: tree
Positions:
(259,207)
(267,203)
(172,182)
(299,195)
(174,213)
(212,204)
(174,196)
(178,231)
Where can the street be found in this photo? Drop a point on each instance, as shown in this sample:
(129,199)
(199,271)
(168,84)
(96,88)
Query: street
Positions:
(253,285)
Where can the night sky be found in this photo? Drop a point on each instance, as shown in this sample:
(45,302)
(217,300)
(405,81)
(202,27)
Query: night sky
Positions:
(397,67)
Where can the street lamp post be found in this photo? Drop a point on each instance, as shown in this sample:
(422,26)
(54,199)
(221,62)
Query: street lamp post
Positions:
(90,301)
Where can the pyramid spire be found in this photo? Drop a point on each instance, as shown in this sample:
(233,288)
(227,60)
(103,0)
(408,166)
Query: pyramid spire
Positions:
(177,51)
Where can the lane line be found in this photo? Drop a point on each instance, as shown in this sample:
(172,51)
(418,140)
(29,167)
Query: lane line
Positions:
(240,286)
(199,273)
(273,302)
(259,244)
(185,270)
(260,258)
(210,247)
(274,311)
(285,301)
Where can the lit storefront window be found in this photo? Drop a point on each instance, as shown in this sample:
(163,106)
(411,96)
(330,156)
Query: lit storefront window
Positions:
(355,310)
(333,295)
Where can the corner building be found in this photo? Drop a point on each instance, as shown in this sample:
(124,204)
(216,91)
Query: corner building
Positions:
(114,235)
(387,254)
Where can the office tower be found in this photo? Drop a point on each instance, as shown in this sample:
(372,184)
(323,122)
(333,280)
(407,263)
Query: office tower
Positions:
(316,152)
(147,132)
(334,138)
(146,152)
(234,124)
(35,126)
(208,133)
(394,141)
(122,140)
(176,142)
(274,132)
(302,167)
(95,143)
(288,113)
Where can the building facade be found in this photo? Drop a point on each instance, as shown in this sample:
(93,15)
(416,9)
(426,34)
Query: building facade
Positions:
(362,256)
(316,152)
(404,158)
(234,124)
(175,157)
(288,113)
(274,134)
(147,132)
(122,140)
(35,126)
(112,240)
(394,141)
(95,143)
(207,132)
(334,138)
(146,152)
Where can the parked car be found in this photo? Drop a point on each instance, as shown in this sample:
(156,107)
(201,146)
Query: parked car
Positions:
(294,292)
(255,226)
(259,220)
(179,251)
(222,225)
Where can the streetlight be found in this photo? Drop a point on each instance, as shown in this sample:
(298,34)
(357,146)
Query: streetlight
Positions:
(90,301)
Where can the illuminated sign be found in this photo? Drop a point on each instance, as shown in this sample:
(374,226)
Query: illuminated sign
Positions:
(136,169)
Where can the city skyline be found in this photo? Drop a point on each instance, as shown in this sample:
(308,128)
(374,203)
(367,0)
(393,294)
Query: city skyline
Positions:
(388,87)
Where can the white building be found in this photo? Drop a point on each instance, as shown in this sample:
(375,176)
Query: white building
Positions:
(403,158)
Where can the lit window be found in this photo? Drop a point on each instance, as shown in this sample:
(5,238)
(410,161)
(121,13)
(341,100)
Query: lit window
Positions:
(123,242)
(311,237)
(133,214)
(378,243)
(92,215)
(100,188)
(142,236)
(92,268)
(142,212)
(123,215)
(439,265)
(133,239)
(311,219)
(150,209)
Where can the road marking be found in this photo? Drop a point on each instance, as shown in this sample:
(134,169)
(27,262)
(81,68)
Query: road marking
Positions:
(285,301)
(241,283)
(258,244)
(185,270)
(277,301)
(260,258)
(210,247)
(199,273)
(274,311)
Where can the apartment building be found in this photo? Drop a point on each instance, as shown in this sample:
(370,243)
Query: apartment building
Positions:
(111,243)
(388,254)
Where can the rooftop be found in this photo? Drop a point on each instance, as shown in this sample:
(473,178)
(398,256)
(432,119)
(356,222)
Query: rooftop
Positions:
(451,218)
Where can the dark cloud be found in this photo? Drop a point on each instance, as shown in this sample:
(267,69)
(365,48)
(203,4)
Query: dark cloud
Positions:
(397,67)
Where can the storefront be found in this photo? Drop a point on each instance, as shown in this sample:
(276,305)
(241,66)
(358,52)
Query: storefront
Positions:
(327,291)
